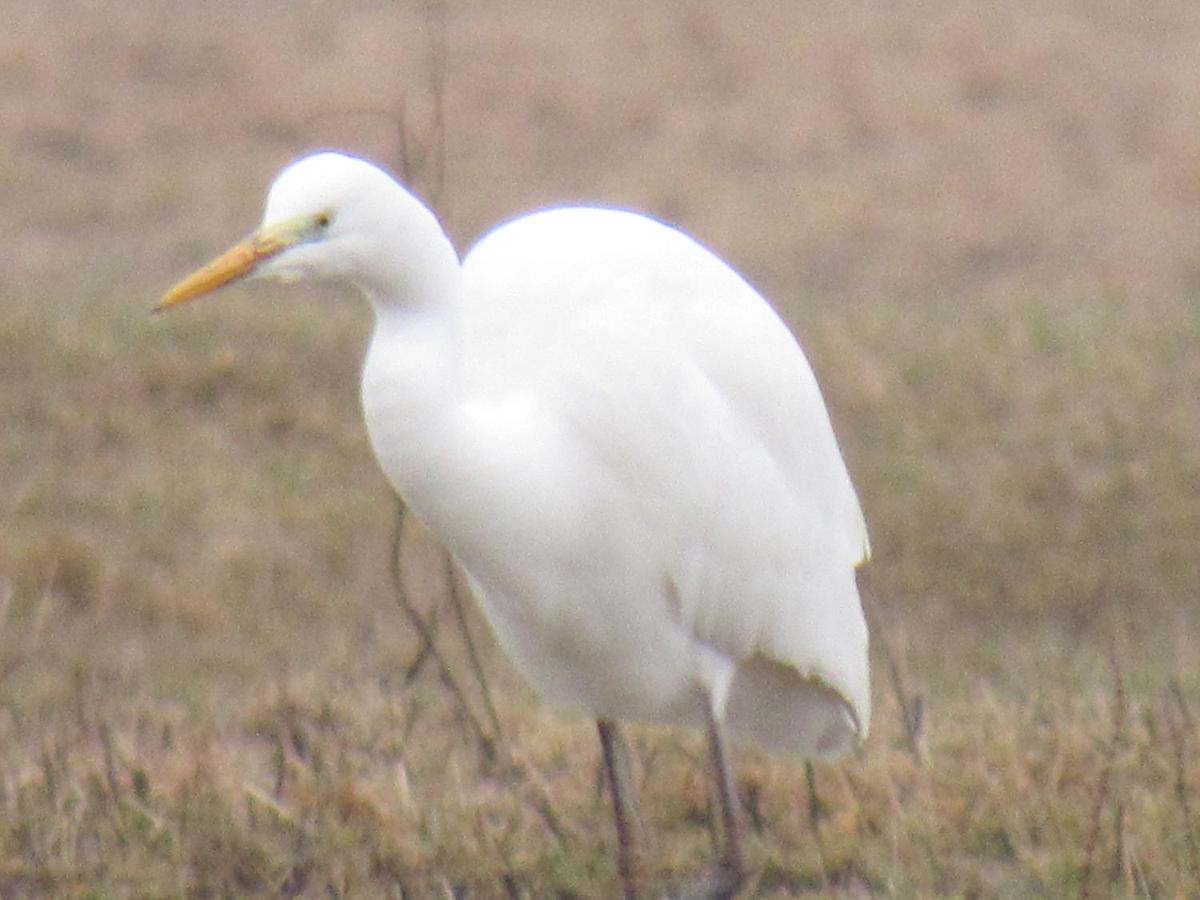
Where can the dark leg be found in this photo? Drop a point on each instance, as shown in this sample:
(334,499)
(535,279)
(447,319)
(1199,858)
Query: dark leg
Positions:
(727,879)
(732,868)
(616,766)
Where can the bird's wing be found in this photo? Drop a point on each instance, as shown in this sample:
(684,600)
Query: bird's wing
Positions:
(697,410)
(595,277)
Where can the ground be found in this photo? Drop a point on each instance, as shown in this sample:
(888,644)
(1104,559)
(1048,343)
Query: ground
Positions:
(981,222)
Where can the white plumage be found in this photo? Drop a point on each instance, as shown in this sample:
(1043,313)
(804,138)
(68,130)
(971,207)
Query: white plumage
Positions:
(620,442)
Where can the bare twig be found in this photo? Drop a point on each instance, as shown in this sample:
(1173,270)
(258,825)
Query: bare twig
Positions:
(110,766)
(752,803)
(814,801)
(487,743)
(6,594)
(1104,786)
(815,811)
(1181,727)
(11,656)
(41,613)
(912,706)
(538,796)
(50,775)
(460,612)
(255,796)
(428,637)
(79,686)
(279,757)
(1185,712)
(1120,858)
(436,17)
(413,669)
(424,161)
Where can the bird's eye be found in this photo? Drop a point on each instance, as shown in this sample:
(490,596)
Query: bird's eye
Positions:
(324,219)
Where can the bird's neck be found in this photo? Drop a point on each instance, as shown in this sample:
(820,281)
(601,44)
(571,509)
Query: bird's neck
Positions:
(451,455)
(410,390)
(431,442)
(410,376)
(466,465)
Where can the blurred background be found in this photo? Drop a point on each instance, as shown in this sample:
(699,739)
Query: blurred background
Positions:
(980,221)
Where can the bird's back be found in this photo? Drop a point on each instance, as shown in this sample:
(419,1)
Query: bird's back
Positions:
(695,420)
(600,280)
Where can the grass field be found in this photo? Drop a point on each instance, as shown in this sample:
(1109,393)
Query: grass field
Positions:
(982,224)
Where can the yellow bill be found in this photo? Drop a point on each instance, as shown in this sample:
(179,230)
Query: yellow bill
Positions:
(236,262)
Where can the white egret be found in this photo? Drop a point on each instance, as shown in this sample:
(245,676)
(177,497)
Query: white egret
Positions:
(623,446)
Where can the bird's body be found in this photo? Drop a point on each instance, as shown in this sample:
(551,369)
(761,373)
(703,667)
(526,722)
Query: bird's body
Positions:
(623,446)
(644,485)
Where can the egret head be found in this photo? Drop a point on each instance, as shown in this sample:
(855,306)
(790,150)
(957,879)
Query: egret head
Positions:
(333,217)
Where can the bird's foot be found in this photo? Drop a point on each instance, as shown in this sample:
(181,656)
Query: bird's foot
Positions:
(723,883)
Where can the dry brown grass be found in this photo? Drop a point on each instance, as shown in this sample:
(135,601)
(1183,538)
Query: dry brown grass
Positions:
(982,223)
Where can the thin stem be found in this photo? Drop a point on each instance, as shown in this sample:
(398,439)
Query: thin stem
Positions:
(727,798)
(487,743)
(625,816)
(473,658)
